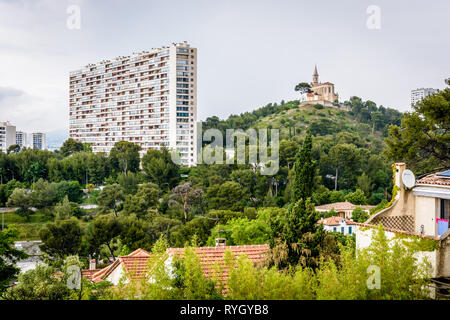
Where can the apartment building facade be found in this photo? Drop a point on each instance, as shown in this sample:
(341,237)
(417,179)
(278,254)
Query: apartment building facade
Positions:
(38,141)
(148,98)
(21,139)
(419,94)
(7,135)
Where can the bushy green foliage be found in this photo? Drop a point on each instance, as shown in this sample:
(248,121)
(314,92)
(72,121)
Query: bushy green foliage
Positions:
(359,215)
(61,238)
(356,197)
(9,255)
(423,138)
(40,283)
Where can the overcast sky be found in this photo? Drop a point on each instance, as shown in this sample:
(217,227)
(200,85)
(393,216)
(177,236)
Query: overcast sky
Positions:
(250,53)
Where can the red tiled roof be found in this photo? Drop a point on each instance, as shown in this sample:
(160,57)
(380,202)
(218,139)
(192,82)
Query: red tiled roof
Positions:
(333,221)
(136,263)
(135,266)
(209,255)
(139,253)
(340,206)
(434,180)
(89,273)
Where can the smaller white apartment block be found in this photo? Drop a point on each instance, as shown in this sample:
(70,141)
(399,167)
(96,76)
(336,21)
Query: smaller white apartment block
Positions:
(148,98)
(21,139)
(7,135)
(419,94)
(38,141)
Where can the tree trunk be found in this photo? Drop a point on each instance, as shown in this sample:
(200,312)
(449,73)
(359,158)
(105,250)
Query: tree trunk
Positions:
(111,251)
(336,179)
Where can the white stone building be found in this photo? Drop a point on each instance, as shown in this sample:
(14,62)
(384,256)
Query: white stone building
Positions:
(7,135)
(419,94)
(38,141)
(21,139)
(338,224)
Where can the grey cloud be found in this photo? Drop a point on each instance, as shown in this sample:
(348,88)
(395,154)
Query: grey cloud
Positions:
(7,92)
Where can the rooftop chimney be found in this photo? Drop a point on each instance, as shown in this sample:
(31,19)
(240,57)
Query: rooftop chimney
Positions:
(92,264)
(221,242)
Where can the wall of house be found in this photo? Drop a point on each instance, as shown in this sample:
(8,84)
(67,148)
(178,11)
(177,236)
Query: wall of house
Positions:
(444,258)
(364,239)
(338,228)
(117,274)
(427,210)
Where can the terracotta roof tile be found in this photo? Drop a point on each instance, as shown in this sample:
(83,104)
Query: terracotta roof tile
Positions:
(209,255)
(433,179)
(333,221)
(88,274)
(136,263)
(339,206)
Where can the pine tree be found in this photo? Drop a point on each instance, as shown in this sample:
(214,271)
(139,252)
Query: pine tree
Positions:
(304,170)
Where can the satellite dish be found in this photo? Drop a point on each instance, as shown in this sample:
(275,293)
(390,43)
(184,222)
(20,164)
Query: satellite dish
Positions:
(408,179)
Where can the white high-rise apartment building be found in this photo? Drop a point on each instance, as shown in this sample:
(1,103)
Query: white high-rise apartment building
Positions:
(148,98)
(21,139)
(419,94)
(38,141)
(7,135)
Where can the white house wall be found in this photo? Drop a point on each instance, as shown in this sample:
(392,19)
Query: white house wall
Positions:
(364,239)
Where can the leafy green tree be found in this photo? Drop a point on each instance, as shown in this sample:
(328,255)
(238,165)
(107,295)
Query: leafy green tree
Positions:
(199,227)
(39,284)
(9,255)
(160,169)
(186,195)
(134,233)
(190,281)
(356,197)
(14,148)
(303,87)
(337,196)
(129,182)
(359,215)
(229,195)
(44,194)
(71,146)
(365,184)
(98,167)
(102,231)
(304,171)
(288,151)
(35,171)
(71,189)
(145,198)
(66,210)
(343,156)
(297,239)
(110,196)
(21,199)
(423,139)
(244,231)
(61,238)
(124,157)
(269,201)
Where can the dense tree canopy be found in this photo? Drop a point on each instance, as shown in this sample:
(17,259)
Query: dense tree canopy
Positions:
(423,138)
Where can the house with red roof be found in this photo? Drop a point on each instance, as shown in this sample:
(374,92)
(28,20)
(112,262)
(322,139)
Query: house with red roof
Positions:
(343,209)
(136,264)
(338,224)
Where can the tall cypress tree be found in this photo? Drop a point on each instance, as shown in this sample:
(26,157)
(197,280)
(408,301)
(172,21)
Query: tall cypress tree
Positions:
(304,171)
